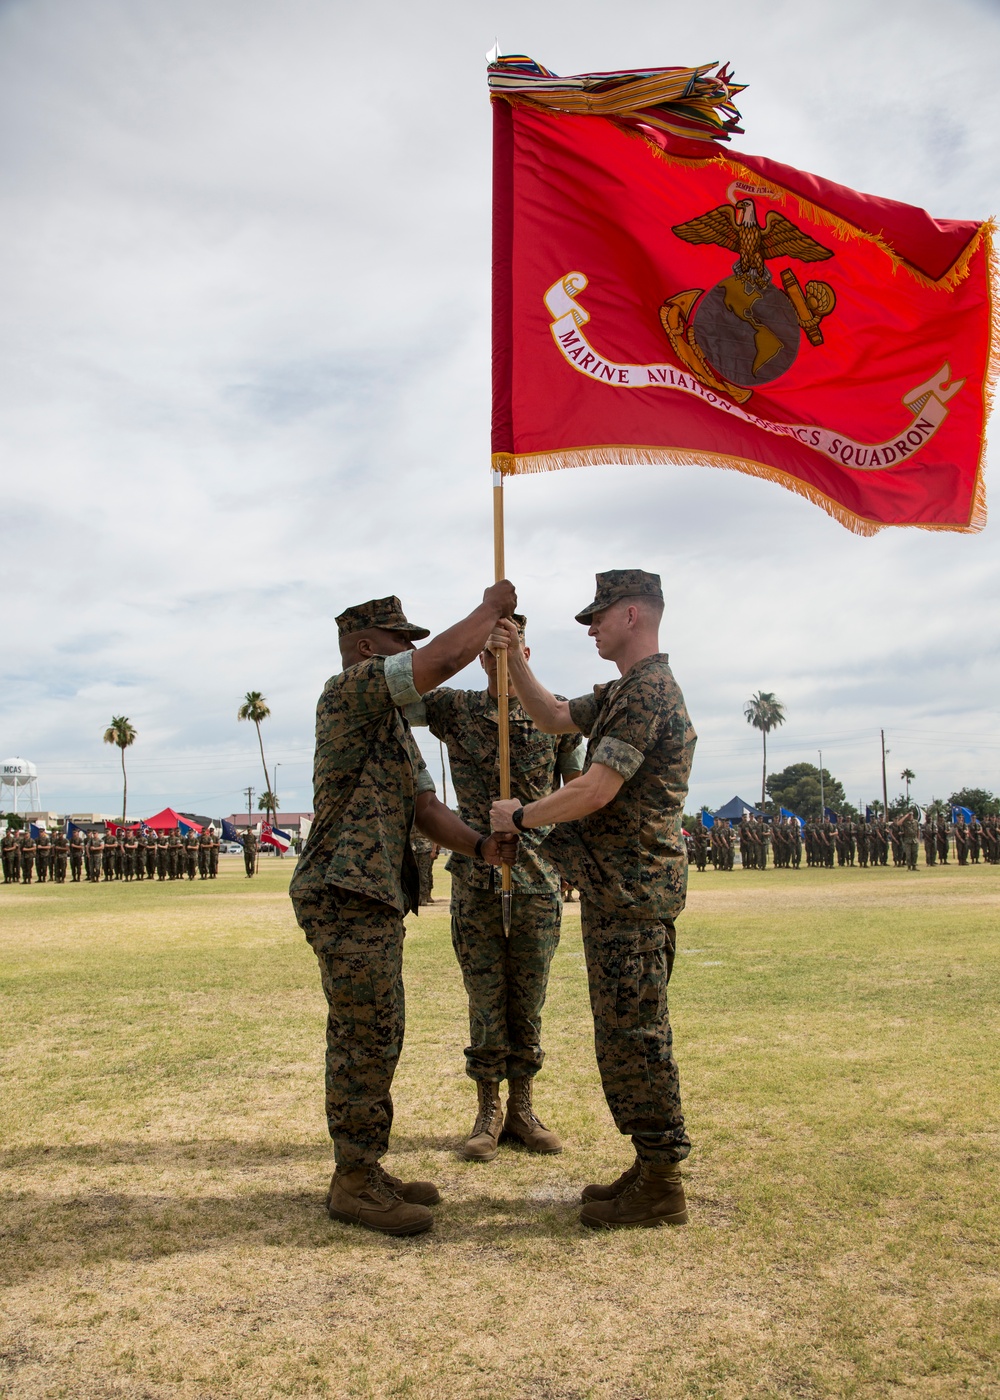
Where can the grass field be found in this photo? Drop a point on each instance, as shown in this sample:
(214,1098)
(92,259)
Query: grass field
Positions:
(164,1159)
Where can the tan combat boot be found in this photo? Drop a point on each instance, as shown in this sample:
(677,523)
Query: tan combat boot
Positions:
(608,1193)
(522,1124)
(654,1197)
(414,1193)
(364,1197)
(483,1143)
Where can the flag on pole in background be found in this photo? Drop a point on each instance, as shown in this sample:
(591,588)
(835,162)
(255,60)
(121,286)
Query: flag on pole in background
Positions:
(963,812)
(271,836)
(186,827)
(707,820)
(231,832)
(788,816)
(657,300)
(831,815)
(35,830)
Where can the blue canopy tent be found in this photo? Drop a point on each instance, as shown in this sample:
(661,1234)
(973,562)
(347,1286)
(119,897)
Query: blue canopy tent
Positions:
(736,808)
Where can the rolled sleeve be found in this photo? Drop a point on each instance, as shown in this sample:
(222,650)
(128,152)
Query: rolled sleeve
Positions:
(616,754)
(425,783)
(399,679)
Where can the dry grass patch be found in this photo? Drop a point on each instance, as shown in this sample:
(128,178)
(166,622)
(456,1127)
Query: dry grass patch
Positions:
(164,1159)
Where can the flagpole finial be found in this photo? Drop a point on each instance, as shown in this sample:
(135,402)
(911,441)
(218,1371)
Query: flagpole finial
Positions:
(494,52)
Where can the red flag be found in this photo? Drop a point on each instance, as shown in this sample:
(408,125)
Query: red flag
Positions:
(657,301)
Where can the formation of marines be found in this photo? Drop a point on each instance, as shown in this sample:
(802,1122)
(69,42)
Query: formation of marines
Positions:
(867,844)
(127,855)
(606,821)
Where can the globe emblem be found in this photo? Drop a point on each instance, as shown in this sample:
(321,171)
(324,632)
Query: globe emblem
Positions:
(749,337)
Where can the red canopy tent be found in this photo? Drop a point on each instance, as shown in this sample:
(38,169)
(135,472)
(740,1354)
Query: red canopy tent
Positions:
(168,819)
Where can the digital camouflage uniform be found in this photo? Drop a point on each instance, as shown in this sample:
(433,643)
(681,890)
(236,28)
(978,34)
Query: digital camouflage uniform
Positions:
(909,833)
(250,852)
(11,858)
(354,882)
(505,979)
(76,855)
(628,862)
(60,851)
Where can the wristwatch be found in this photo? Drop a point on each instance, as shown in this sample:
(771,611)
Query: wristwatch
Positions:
(517,817)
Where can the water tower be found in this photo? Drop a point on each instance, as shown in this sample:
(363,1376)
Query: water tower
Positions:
(19,786)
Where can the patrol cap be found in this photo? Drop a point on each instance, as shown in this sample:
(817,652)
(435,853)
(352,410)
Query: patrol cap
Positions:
(616,584)
(520,622)
(386,613)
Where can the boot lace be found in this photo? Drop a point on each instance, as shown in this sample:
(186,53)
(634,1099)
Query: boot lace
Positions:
(485,1118)
(377,1185)
(522,1104)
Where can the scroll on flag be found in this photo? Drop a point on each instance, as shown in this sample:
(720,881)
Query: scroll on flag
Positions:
(657,300)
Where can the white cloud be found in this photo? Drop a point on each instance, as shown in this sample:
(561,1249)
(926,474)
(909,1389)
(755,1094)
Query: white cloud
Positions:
(244,381)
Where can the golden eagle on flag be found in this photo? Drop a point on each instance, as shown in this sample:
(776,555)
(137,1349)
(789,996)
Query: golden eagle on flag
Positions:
(658,299)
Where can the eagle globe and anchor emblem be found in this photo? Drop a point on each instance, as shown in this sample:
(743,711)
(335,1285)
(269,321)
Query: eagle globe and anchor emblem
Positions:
(745,331)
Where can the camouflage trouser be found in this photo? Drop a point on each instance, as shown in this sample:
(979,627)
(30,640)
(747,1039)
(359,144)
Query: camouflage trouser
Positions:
(910,851)
(506,980)
(629,966)
(359,944)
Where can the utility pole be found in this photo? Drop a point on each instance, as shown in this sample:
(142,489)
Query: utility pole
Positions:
(822,799)
(885,792)
(249,793)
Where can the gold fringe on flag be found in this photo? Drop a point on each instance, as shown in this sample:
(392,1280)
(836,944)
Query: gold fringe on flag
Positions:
(609,455)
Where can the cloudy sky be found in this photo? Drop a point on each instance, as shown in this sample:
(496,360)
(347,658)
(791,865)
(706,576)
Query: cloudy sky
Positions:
(244,381)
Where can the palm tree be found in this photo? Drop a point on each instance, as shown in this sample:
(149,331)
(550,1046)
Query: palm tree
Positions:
(255,708)
(907,776)
(120,732)
(765,712)
(268,802)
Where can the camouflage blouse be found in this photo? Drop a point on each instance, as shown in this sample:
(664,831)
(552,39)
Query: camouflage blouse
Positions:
(367,773)
(466,720)
(630,856)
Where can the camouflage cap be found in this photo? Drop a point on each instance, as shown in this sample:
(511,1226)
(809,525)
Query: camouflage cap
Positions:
(521,622)
(386,613)
(621,583)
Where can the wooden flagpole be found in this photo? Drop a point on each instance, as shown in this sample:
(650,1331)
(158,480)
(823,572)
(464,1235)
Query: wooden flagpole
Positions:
(503,727)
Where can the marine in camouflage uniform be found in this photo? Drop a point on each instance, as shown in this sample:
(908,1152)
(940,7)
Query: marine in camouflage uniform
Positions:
(11,857)
(191,854)
(506,979)
(204,852)
(27,857)
(909,835)
(700,846)
(930,846)
(43,856)
(60,851)
(357,878)
(250,852)
(618,838)
(77,852)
